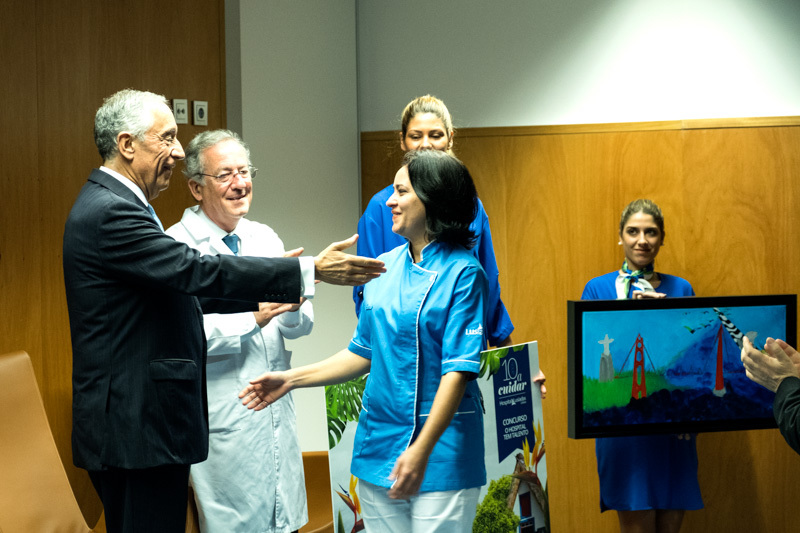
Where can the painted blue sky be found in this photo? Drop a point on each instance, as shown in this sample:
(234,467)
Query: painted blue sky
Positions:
(668,332)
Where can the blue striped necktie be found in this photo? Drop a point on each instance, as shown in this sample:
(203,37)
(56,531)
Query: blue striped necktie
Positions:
(232,241)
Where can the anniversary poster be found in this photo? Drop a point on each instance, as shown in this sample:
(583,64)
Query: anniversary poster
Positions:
(514,498)
(516,469)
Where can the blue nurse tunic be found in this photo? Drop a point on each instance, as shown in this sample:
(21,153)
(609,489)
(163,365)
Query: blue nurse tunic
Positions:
(418,322)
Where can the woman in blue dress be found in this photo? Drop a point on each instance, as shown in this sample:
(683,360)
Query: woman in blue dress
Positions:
(418,449)
(651,480)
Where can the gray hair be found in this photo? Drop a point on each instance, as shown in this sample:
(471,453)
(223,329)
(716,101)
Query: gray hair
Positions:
(124,110)
(195,164)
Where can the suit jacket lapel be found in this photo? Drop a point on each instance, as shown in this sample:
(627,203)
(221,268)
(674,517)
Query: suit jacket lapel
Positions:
(110,183)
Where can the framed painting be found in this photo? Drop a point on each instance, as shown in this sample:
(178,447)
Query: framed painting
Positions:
(670,365)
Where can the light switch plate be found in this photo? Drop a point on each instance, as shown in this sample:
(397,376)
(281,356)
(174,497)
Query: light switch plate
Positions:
(180,108)
(200,113)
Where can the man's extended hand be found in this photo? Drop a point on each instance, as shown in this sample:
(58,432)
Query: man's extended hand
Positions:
(269,310)
(334,266)
(770,369)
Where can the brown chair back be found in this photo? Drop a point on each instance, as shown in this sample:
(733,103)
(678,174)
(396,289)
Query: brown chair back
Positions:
(318,493)
(35,494)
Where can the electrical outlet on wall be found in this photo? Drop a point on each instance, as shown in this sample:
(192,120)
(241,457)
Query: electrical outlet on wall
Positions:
(180,108)
(200,113)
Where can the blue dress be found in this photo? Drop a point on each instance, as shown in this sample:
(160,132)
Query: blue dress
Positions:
(375,236)
(653,471)
(418,322)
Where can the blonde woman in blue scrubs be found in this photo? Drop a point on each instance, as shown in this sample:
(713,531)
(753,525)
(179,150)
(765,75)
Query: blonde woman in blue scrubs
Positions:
(426,124)
(418,449)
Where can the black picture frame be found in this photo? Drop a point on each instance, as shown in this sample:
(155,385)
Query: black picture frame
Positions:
(685,396)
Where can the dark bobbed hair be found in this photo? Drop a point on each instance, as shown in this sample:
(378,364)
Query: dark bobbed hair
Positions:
(642,205)
(444,186)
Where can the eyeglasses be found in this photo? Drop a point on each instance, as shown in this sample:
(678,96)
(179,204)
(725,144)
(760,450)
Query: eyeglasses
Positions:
(223,179)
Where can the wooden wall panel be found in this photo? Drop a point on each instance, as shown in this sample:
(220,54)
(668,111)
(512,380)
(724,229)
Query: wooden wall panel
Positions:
(59,64)
(20,185)
(742,185)
(554,196)
(378,158)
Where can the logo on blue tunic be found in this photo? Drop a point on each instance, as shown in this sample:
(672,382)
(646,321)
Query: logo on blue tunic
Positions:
(475,331)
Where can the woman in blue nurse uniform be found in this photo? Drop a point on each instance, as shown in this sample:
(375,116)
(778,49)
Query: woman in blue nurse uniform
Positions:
(418,448)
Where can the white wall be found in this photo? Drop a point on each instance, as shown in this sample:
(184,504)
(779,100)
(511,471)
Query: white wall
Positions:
(525,62)
(300,98)
(298,111)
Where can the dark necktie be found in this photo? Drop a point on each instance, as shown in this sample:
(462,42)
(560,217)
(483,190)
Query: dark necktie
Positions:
(155,217)
(232,241)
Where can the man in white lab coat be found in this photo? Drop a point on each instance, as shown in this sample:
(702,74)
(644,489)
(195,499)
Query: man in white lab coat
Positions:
(252,480)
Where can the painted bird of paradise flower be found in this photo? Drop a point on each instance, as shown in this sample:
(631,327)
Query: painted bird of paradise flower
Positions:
(353,503)
(538,449)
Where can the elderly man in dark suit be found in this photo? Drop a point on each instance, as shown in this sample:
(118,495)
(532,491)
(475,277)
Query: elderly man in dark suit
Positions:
(134,296)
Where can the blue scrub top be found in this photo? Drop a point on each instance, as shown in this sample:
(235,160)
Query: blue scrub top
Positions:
(418,322)
(375,237)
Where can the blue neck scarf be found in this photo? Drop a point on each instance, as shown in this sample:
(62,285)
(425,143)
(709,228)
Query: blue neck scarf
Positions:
(630,280)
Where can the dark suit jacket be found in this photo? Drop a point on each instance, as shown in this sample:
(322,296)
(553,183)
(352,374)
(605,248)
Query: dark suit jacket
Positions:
(786,408)
(138,346)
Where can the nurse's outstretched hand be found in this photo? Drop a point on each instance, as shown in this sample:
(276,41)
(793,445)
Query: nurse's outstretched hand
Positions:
(408,473)
(264,390)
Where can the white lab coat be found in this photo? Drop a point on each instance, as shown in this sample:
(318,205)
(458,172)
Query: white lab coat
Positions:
(253,479)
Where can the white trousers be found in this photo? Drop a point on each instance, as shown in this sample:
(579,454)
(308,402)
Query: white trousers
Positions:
(449,511)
